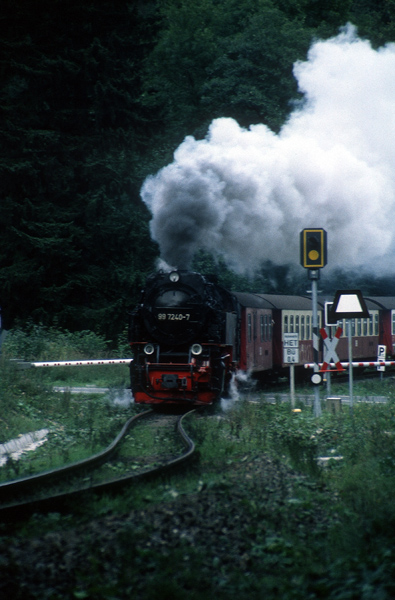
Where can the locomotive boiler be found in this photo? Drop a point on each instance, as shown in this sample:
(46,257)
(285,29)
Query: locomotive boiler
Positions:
(184,335)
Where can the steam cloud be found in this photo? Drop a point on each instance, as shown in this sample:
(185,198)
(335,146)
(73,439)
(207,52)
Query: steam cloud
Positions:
(247,193)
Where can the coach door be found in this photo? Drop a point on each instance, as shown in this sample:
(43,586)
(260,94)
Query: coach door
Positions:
(257,333)
(251,339)
(254,337)
(257,339)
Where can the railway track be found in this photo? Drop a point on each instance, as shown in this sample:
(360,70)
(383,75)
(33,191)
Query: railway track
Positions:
(46,491)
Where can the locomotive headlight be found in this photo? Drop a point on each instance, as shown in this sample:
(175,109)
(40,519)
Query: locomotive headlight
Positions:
(149,349)
(196,349)
(174,277)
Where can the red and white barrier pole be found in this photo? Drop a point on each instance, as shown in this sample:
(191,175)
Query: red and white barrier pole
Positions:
(82,363)
(332,366)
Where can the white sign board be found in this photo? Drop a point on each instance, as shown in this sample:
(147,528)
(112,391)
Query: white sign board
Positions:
(291,348)
(381,350)
(330,321)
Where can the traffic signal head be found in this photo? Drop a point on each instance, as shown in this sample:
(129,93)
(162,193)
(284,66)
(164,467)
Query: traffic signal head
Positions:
(313,248)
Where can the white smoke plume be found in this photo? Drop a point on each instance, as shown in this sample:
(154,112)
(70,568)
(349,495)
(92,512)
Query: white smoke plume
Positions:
(247,193)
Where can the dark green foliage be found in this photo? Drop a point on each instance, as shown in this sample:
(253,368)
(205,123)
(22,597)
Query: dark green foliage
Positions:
(375,19)
(94,96)
(74,238)
(224,59)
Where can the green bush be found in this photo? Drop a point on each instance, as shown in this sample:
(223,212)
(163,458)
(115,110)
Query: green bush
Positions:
(41,343)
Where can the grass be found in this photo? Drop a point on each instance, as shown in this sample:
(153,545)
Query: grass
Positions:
(255,517)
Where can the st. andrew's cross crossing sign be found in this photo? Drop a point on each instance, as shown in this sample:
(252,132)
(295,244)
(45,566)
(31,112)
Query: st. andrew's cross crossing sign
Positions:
(331,354)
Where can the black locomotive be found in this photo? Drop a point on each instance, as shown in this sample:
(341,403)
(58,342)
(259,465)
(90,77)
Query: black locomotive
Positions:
(184,337)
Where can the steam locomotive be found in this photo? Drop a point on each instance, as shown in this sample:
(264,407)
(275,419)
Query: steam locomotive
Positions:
(184,339)
(189,336)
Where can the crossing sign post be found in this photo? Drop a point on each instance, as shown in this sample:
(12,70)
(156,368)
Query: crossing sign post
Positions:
(291,357)
(349,304)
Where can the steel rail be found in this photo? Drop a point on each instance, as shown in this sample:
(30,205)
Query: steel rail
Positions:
(26,483)
(57,501)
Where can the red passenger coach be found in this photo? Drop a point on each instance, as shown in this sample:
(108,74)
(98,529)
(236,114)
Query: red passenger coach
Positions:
(385,307)
(256,333)
(292,314)
(264,320)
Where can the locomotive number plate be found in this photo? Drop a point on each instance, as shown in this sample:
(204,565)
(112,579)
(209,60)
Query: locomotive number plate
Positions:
(173,316)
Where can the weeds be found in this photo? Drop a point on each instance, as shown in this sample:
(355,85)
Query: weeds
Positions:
(78,425)
(256,518)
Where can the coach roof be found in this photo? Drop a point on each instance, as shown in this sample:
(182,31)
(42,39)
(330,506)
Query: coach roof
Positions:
(252,300)
(384,302)
(275,301)
(287,302)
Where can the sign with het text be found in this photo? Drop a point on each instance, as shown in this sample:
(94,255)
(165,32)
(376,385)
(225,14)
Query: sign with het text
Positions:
(291,348)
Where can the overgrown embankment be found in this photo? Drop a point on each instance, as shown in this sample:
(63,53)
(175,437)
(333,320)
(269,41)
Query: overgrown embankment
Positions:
(256,517)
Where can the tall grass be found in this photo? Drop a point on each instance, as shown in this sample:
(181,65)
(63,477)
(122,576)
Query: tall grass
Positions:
(26,398)
(312,532)
(361,483)
(41,343)
(37,343)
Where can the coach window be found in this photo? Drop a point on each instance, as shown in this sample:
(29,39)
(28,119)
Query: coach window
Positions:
(297,324)
(365,327)
(393,322)
(261,328)
(270,327)
(249,324)
(353,327)
(370,324)
(302,330)
(359,326)
(308,327)
(291,324)
(266,328)
(376,324)
(286,324)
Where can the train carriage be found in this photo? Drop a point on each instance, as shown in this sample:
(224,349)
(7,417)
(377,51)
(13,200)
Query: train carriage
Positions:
(385,308)
(256,337)
(292,314)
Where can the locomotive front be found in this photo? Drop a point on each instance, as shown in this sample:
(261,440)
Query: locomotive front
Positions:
(183,337)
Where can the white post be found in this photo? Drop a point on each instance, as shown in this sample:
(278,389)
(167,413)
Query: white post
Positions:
(350,368)
(292,384)
(314,275)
